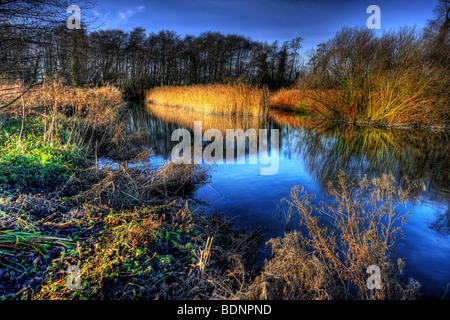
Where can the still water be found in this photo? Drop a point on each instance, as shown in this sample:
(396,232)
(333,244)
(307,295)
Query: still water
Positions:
(311,154)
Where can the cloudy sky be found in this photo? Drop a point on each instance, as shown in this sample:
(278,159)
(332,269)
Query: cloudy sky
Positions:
(264,20)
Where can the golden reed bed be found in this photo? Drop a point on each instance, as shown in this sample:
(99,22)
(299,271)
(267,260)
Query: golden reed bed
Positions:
(238,99)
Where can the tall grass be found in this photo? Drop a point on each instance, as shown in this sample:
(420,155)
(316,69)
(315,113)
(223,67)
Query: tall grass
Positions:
(361,78)
(73,117)
(290,99)
(213,98)
(408,97)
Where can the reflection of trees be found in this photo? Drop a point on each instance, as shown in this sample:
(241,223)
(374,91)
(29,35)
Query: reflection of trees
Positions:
(361,150)
(158,131)
(325,148)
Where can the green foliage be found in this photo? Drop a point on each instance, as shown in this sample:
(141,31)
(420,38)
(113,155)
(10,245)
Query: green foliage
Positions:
(27,161)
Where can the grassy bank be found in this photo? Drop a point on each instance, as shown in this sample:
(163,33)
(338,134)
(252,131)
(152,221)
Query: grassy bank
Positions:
(398,78)
(239,99)
(287,99)
(27,162)
(157,247)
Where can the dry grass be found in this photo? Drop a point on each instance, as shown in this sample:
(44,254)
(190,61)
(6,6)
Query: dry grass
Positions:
(339,242)
(289,99)
(407,97)
(238,99)
(54,93)
(131,185)
(158,252)
(92,118)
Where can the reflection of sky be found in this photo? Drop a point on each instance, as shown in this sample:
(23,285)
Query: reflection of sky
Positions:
(263,20)
(427,251)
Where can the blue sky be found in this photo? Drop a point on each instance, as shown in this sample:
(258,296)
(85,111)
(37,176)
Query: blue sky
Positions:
(263,20)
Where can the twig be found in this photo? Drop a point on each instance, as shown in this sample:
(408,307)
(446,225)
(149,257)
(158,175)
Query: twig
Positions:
(21,95)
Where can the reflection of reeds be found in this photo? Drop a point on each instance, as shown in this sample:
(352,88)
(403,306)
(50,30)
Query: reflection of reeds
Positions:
(286,118)
(186,117)
(213,98)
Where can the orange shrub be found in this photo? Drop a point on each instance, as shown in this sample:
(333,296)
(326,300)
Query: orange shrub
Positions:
(285,98)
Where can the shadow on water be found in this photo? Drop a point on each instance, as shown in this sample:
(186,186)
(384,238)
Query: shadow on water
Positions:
(312,154)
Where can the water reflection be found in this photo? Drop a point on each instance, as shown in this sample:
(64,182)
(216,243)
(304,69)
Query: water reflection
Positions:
(313,153)
(372,151)
(323,147)
(161,121)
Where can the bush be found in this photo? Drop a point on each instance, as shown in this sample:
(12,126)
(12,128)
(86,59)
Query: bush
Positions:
(340,241)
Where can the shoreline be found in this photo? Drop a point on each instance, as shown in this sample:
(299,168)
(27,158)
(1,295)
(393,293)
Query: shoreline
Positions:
(155,228)
(127,225)
(364,123)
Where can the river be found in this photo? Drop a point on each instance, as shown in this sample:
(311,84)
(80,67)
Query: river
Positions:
(310,154)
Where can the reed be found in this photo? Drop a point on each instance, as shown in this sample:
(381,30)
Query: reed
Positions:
(84,118)
(407,97)
(328,259)
(128,186)
(25,240)
(239,99)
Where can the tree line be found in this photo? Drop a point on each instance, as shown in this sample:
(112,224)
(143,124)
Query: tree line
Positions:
(36,44)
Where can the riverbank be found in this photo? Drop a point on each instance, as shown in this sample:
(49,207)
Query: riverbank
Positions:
(132,230)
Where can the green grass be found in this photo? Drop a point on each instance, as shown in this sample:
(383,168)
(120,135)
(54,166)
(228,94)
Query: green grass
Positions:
(27,161)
